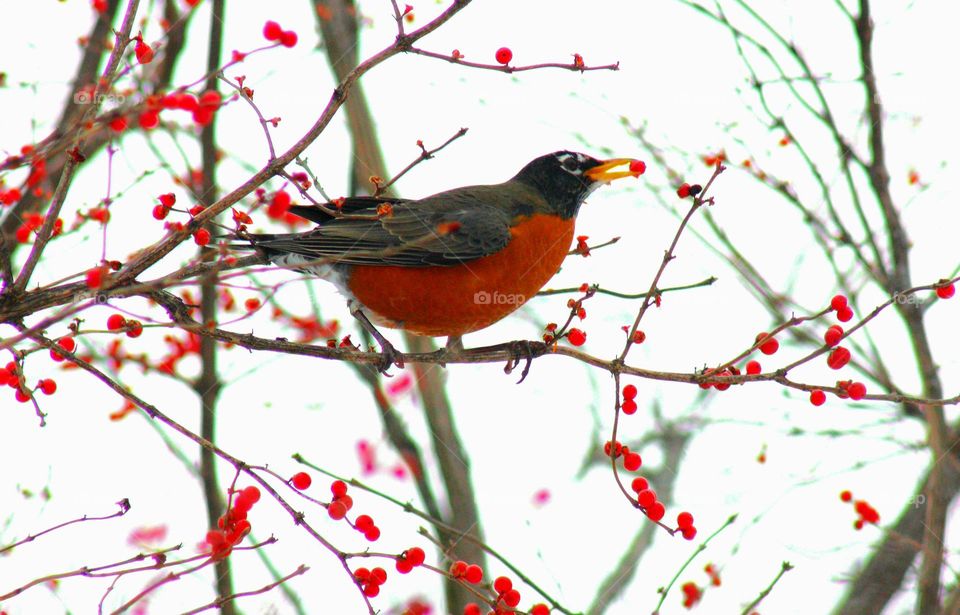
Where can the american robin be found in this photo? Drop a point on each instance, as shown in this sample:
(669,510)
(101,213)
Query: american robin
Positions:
(451,263)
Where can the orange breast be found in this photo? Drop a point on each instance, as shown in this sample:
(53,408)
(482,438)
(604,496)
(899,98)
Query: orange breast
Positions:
(463,298)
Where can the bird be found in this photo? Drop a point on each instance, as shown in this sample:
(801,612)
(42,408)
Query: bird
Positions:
(450,263)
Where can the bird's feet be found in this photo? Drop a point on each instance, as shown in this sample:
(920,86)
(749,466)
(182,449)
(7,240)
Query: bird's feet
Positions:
(389,356)
(523,350)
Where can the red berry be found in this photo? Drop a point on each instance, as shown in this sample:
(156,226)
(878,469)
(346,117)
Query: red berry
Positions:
(646,498)
(576,337)
(143,52)
(372,534)
(656,511)
(838,302)
(338,488)
(116,322)
(844,314)
(540,609)
(504,55)
(473,574)
(947,291)
(683,191)
(288,38)
(632,462)
(251,304)
(689,533)
(363,523)
(833,335)
(472,609)
(629,392)
(502,585)
(21,396)
(638,167)
(403,566)
(768,345)
(160,212)
(168,200)
(272,31)
(839,357)
(118,124)
(371,589)
(94,277)
(639,484)
(845,495)
(379,575)
(512,598)
(251,494)
(415,556)
(857,390)
(458,568)
(134,328)
(753,367)
(817,397)
(148,120)
(48,386)
(684,519)
(336,510)
(301,480)
(628,406)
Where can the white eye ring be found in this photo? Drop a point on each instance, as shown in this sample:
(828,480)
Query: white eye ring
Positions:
(571,164)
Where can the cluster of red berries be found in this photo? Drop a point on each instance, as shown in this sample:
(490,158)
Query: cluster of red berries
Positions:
(365,525)
(686,190)
(341,503)
(685,525)
(865,512)
(117,322)
(647,499)
(629,404)
(32,221)
(9,376)
(842,308)
(179,348)
(232,526)
(370,580)
(506,594)
(854,390)
(631,460)
(9,197)
(471,573)
(273,32)
(733,370)
(410,559)
(67,343)
(691,594)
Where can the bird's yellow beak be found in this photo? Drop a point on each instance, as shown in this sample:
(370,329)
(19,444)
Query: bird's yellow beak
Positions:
(603,173)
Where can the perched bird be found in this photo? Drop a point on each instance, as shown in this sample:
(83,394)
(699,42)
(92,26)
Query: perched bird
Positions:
(451,263)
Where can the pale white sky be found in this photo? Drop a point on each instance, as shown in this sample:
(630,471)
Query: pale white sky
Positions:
(680,76)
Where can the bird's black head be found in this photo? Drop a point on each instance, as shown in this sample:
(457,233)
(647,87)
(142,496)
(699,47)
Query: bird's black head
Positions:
(566,178)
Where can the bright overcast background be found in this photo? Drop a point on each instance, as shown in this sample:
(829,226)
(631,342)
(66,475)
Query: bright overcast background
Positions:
(681,78)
